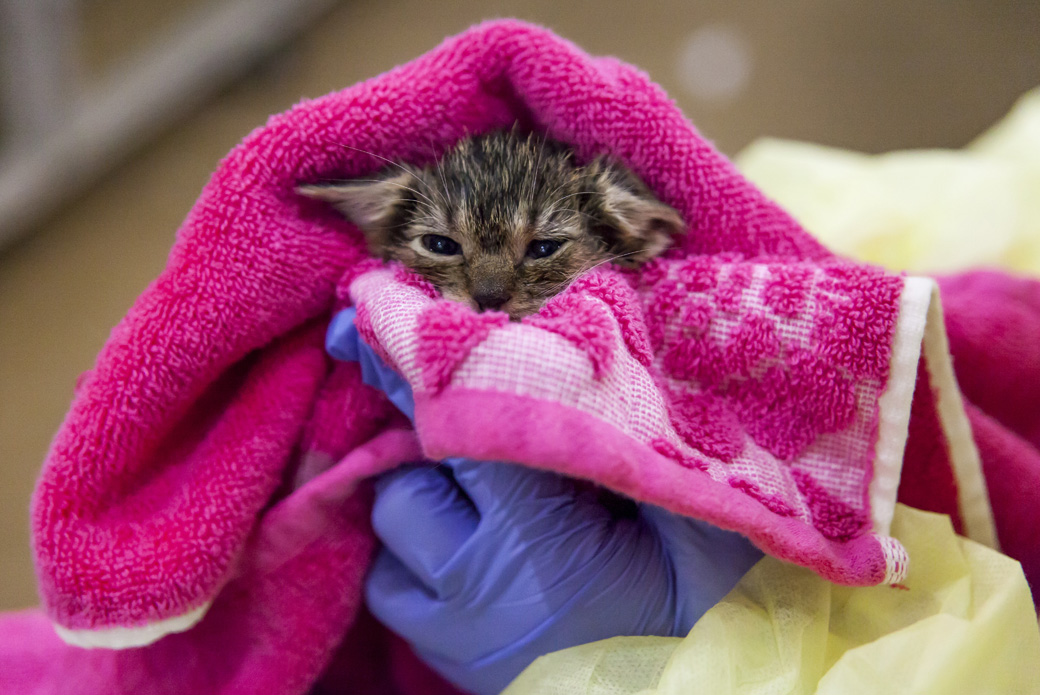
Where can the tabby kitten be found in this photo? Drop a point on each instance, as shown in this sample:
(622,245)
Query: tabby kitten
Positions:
(505,221)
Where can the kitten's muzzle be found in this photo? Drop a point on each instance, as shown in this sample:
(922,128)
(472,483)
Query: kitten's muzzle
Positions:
(491,300)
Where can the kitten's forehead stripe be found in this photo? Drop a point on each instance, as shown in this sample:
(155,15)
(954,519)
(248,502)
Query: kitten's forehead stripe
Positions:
(504,182)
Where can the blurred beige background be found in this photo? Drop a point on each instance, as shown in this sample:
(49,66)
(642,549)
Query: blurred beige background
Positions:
(872,76)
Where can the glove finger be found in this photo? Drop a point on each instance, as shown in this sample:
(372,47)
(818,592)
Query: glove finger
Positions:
(696,542)
(341,340)
(707,560)
(423,518)
(344,342)
(397,598)
(495,485)
(378,375)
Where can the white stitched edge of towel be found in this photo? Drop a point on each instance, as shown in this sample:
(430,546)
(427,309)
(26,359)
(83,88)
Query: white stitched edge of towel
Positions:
(972,495)
(129,637)
(894,403)
(897,560)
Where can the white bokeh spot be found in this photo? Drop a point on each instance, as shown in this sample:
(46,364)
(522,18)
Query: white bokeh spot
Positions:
(714,63)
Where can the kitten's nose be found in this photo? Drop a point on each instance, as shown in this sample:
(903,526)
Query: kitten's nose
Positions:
(491,300)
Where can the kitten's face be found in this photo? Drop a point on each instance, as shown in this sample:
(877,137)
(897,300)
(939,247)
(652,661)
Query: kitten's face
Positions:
(504,221)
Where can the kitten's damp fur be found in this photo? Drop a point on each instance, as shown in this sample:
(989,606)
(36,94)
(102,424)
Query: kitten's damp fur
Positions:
(505,221)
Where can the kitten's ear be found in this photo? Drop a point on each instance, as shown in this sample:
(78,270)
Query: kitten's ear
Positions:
(376,206)
(633,223)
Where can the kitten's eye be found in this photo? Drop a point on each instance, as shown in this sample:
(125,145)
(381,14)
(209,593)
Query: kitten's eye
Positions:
(442,245)
(543,248)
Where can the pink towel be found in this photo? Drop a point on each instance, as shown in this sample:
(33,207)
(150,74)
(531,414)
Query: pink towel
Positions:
(207,487)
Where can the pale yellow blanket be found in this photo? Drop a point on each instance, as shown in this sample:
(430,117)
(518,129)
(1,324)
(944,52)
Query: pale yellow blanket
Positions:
(919,210)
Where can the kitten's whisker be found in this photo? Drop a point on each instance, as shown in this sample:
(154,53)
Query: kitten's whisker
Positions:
(587,216)
(373,154)
(388,161)
(553,207)
(533,188)
(565,197)
(444,191)
(556,203)
(394,183)
(552,194)
(561,286)
(611,259)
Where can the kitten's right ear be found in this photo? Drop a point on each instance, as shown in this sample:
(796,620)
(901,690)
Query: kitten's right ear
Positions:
(376,206)
(627,216)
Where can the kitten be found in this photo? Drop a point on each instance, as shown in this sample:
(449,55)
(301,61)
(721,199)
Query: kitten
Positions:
(505,221)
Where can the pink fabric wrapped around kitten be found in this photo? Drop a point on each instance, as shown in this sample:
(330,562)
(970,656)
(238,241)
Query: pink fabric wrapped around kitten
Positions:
(208,482)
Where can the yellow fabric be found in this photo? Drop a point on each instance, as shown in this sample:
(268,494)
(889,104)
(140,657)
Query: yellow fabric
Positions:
(922,211)
(962,623)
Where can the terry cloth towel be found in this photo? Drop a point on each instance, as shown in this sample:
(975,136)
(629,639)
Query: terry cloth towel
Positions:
(207,487)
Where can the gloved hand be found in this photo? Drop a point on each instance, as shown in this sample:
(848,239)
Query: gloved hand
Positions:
(487,566)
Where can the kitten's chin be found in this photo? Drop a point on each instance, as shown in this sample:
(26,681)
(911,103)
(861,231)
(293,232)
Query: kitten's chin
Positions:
(516,311)
(461,299)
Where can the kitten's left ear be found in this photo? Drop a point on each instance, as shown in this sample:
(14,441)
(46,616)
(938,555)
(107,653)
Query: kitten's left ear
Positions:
(376,206)
(633,223)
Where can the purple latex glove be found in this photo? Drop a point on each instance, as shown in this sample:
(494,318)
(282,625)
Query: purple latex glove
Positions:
(486,566)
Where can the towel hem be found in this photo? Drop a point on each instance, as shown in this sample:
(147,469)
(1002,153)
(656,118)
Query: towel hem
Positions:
(131,637)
